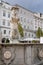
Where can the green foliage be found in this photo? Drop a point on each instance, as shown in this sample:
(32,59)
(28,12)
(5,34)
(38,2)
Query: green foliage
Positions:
(39,33)
(34,41)
(4,40)
(20,30)
(7,40)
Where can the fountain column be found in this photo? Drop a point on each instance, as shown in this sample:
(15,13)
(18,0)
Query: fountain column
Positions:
(14,24)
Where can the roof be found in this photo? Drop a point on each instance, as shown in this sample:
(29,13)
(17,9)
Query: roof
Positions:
(24,8)
(6,2)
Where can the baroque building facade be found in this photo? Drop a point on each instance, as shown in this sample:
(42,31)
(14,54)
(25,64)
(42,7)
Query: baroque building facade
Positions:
(29,20)
(5,15)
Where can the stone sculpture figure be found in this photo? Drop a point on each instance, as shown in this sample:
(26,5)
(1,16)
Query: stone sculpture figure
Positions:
(14,22)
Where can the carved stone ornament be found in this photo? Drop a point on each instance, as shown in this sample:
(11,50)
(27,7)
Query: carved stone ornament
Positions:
(7,55)
(41,53)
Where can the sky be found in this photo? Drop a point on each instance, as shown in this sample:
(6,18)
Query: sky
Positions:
(33,5)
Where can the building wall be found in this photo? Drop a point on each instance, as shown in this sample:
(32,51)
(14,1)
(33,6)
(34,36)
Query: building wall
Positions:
(30,21)
(38,22)
(5,15)
(26,18)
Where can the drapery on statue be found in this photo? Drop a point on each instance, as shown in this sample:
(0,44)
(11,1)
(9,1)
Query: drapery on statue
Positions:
(14,21)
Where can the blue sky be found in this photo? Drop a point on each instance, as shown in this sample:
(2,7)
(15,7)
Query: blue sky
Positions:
(33,5)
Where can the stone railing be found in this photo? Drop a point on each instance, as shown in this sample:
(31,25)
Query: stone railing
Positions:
(20,54)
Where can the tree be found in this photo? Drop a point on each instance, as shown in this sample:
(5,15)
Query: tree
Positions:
(20,29)
(7,40)
(39,32)
(3,40)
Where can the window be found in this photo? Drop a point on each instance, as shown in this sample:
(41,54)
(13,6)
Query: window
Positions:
(3,22)
(35,23)
(4,6)
(24,19)
(4,13)
(35,26)
(40,14)
(28,27)
(21,19)
(29,34)
(9,32)
(32,35)
(8,23)
(24,12)
(8,15)
(4,31)
(25,26)
(25,34)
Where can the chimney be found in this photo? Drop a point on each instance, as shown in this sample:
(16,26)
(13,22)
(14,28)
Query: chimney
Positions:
(40,14)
